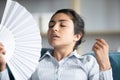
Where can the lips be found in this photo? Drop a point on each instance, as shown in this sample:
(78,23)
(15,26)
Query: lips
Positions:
(54,36)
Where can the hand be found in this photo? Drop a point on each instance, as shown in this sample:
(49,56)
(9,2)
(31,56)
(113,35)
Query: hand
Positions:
(101,50)
(2,61)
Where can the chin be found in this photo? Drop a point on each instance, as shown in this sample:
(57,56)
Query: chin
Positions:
(54,44)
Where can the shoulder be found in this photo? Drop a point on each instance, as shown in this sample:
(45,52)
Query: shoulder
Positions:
(89,62)
(88,59)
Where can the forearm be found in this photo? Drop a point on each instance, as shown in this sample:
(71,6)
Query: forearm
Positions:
(105,64)
(4,75)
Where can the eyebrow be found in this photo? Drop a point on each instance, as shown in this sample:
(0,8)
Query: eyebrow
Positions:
(62,20)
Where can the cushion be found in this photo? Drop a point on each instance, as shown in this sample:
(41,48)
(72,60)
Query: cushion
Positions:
(115,63)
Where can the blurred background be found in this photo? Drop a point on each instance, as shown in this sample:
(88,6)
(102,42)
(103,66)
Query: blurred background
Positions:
(102,19)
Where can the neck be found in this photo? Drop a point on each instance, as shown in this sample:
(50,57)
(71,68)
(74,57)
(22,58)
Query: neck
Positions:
(60,53)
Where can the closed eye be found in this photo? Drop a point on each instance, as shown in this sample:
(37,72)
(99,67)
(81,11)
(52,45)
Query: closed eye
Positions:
(63,25)
(51,24)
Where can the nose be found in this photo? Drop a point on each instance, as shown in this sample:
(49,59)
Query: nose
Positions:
(56,27)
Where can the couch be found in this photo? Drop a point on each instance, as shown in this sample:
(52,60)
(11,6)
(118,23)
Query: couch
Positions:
(114,59)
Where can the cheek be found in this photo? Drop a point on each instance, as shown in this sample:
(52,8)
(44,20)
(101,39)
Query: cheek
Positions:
(69,32)
(68,35)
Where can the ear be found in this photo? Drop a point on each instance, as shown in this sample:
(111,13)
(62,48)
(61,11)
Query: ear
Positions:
(77,36)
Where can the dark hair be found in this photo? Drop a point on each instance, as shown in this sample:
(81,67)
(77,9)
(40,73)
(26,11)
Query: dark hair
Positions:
(78,23)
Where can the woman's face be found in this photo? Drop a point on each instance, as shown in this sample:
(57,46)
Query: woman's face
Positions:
(61,31)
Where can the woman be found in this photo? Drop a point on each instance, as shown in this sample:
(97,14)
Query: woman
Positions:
(65,34)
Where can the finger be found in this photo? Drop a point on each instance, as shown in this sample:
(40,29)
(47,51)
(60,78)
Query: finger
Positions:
(2,50)
(102,41)
(95,47)
(1,55)
(98,44)
(2,61)
(1,44)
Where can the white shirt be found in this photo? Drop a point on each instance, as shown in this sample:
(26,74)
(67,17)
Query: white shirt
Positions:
(73,67)
(4,75)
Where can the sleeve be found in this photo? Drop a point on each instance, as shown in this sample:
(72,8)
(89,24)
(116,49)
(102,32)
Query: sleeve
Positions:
(106,75)
(94,72)
(4,75)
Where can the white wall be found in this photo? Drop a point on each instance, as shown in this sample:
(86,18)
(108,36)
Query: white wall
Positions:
(101,15)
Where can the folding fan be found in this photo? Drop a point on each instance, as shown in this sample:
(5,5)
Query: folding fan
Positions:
(20,35)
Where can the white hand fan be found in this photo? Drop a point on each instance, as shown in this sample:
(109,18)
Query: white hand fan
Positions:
(21,37)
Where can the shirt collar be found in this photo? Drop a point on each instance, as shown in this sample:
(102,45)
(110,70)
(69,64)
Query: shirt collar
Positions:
(73,54)
(48,53)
